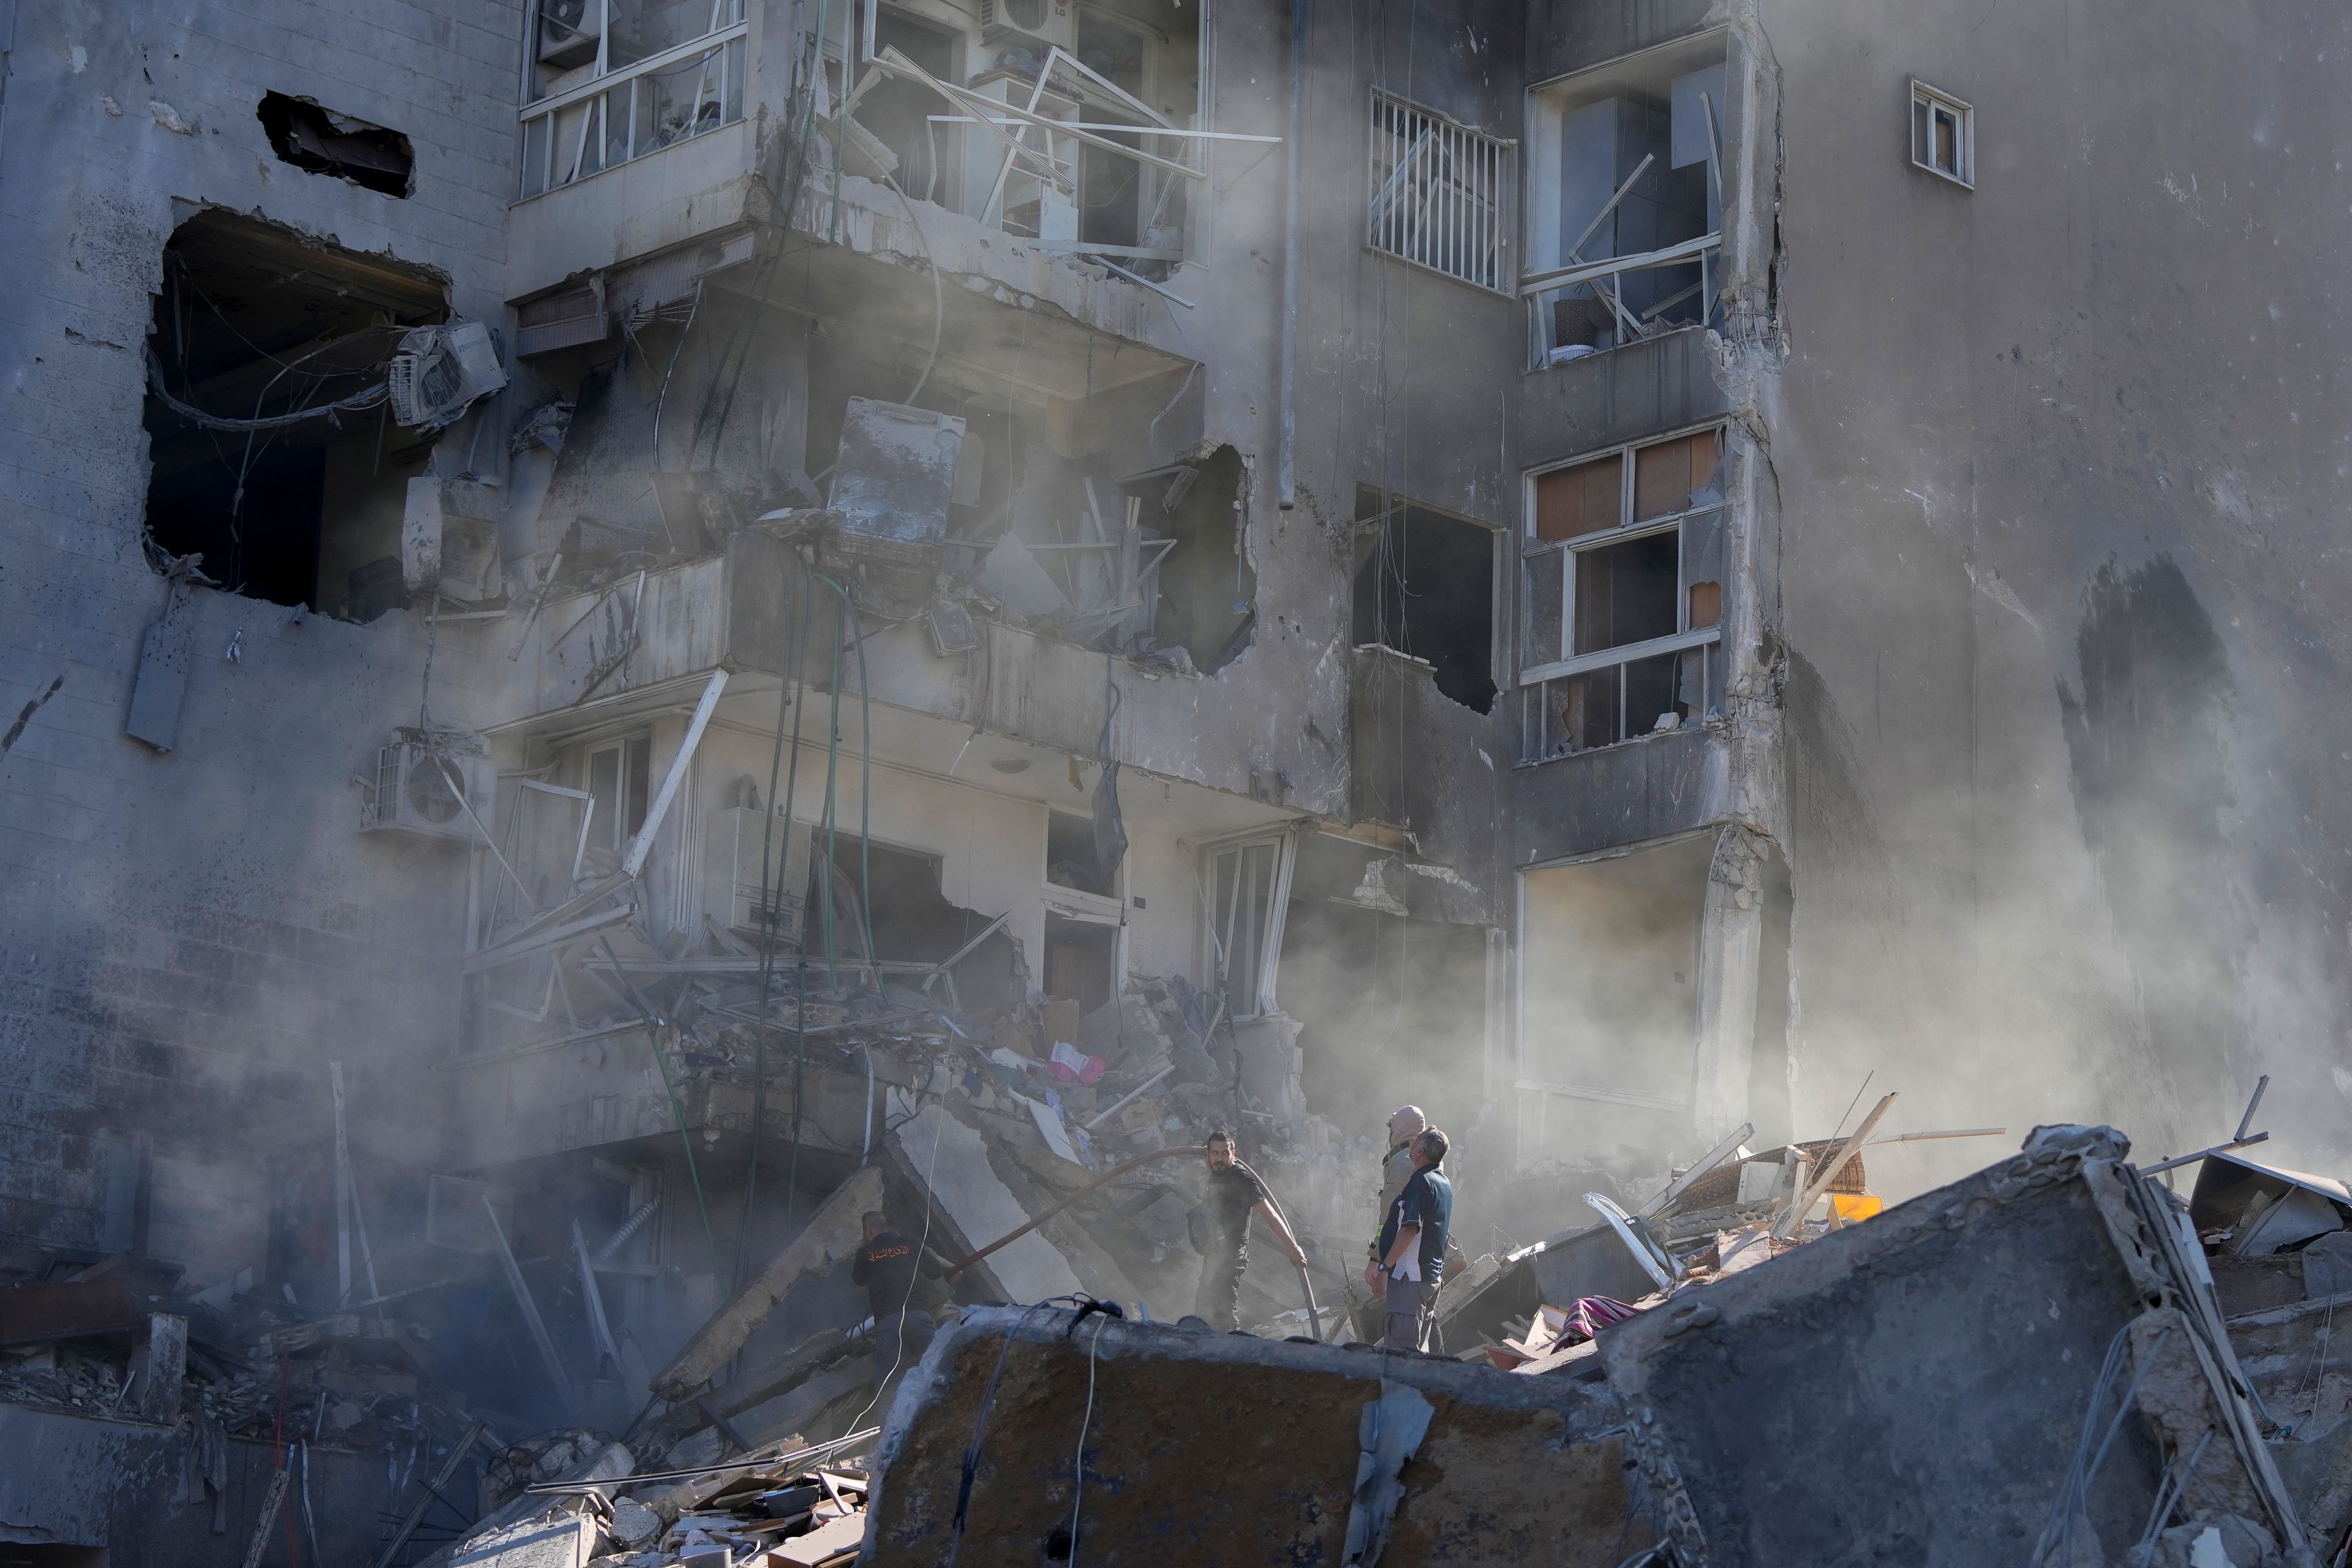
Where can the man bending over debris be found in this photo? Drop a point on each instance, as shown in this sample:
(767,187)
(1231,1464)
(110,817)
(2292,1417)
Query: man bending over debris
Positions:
(886,1265)
(1234,1192)
(1412,1246)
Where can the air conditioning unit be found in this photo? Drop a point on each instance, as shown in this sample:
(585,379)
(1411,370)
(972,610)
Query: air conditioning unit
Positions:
(567,32)
(438,372)
(735,891)
(411,792)
(1038,24)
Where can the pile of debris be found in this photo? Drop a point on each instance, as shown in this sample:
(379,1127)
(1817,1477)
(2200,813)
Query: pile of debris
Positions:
(787,1505)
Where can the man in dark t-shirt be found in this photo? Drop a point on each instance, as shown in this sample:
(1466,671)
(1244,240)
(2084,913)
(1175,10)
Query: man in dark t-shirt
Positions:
(887,1264)
(1412,1246)
(1235,1193)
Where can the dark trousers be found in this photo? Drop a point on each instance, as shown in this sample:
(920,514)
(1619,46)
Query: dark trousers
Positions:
(899,1340)
(1219,1299)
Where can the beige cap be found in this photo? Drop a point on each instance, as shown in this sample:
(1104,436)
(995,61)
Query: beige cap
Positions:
(1408,1113)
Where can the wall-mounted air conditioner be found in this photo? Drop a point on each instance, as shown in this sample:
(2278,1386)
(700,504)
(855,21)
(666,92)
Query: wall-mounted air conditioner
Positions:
(416,784)
(568,32)
(736,893)
(1040,23)
(438,372)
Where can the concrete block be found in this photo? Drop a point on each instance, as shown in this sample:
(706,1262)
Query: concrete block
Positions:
(568,1540)
(1211,1450)
(1913,1389)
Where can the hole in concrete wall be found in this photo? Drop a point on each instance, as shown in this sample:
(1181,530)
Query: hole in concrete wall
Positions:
(1202,593)
(1070,858)
(321,142)
(1625,161)
(1081,961)
(913,920)
(1427,589)
(256,322)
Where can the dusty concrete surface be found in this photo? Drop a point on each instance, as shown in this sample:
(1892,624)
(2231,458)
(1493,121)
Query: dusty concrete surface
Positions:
(1225,1448)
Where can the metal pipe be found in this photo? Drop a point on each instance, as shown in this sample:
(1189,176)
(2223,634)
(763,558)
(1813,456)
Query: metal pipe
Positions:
(1286,449)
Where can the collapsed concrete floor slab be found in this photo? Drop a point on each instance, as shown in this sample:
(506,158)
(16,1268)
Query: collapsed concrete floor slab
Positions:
(1224,1449)
(1953,1383)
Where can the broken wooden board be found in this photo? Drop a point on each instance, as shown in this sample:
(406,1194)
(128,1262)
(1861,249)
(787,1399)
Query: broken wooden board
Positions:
(832,1233)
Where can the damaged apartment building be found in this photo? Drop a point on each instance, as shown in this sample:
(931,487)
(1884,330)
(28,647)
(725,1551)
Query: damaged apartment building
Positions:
(622,614)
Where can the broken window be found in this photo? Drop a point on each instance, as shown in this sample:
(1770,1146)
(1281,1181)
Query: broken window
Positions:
(1621,596)
(1247,884)
(321,142)
(1068,124)
(1608,969)
(609,80)
(273,451)
(1193,581)
(1624,200)
(1427,590)
(1438,194)
(1071,860)
(1943,134)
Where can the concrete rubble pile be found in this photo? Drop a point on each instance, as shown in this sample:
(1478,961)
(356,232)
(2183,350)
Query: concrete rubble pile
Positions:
(788,1505)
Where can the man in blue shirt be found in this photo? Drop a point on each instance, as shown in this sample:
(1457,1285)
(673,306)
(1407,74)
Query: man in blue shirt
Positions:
(1412,1246)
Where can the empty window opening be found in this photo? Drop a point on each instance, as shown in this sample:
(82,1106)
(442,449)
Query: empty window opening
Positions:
(896,112)
(1609,998)
(1440,193)
(256,323)
(1943,134)
(1621,599)
(1426,589)
(609,80)
(1195,586)
(1071,860)
(321,142)
(1064,123)
(1624,200)
(1081,961)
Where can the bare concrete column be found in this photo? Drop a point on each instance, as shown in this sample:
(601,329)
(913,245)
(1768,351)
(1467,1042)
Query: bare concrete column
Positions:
(160,1363)
(1731,932)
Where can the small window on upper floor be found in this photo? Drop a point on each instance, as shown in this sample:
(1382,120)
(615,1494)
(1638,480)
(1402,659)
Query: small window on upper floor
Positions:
(1439,194)
(1943,134)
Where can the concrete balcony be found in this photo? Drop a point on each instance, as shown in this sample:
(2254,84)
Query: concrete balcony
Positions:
(648,640)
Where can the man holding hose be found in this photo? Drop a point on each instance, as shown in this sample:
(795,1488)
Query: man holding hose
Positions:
(1235,1193)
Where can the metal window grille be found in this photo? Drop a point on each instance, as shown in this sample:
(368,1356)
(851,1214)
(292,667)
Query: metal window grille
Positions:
(1437,193)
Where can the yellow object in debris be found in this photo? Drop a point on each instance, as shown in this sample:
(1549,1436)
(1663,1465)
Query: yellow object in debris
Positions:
(1851,1206)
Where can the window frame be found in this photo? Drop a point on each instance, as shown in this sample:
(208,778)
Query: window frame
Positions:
(1531,676)
(1927,102)
(1216,926)
(728,44)
(1499,272)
